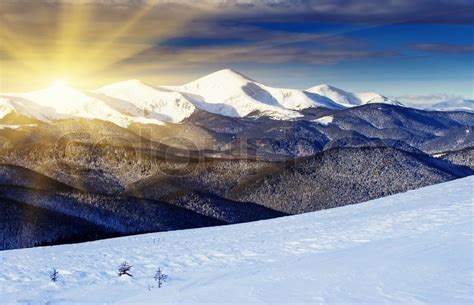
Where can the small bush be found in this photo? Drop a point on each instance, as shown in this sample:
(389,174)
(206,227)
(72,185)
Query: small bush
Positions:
(54,275)
(124,269)
(160,277)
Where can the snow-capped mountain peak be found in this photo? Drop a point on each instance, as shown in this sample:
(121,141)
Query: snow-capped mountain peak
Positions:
(6,107)
(231,93)
(349,99)
(63,98)
(140,99)
(454,105)
(225,92)
(226,79)
(372,98)
(61,101)
(224,76)
(337,95)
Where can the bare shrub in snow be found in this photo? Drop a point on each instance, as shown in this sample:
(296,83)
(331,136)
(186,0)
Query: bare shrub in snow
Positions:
(160,277)
(54,275)
(124,269)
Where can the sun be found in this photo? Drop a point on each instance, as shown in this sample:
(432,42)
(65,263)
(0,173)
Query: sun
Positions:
(60,83)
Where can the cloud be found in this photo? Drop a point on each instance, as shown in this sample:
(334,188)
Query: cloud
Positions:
(111,37)
(258,54)
(445,48)
(207,30)
(368,11)
(218,42)
(413,99)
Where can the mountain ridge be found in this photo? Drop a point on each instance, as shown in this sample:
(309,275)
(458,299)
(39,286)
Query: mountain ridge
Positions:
(349,99)
(225,92)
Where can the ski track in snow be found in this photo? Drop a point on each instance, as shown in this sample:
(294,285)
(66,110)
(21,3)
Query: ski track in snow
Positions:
(410,248)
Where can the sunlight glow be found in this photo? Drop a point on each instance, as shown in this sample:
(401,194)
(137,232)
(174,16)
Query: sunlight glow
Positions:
(92,42)
(77,45)
(60,83)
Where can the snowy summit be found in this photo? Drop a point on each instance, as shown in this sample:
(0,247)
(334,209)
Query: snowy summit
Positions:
(230,93)
(348,99)
(225,92)
(141,99)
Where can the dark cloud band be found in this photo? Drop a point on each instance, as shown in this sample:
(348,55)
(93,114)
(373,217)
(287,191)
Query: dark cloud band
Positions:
(445,48)
(352,11)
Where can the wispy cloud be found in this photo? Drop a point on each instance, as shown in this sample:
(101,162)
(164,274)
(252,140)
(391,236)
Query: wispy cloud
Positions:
(445,48)
(260,53)
(105,39)
(427,99)
(368,11)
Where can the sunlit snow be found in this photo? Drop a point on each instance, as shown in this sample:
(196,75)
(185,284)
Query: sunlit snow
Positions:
(410,248)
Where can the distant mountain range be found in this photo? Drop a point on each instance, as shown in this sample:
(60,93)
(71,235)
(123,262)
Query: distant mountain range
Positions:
(454,105)
(225,92)
(438,102)
(131,158)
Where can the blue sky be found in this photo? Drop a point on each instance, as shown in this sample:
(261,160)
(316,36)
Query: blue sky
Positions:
(396,47)
(401,58)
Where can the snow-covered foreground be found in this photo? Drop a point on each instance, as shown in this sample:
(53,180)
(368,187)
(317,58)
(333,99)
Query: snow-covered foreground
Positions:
(411,248)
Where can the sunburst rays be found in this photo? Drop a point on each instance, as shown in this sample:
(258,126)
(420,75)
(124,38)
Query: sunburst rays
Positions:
(74,39)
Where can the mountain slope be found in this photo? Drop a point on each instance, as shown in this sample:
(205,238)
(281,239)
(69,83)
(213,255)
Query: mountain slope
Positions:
(460,157)
(348,99)
(323,128)
(411,248)
(61,101)
(343,176)
(232,94)
(332,178)
(19,176)
(20,109)
(225,92)
(144,100)
(438,102)
(182,208)
(25,225)
(87,213)
(454,105)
